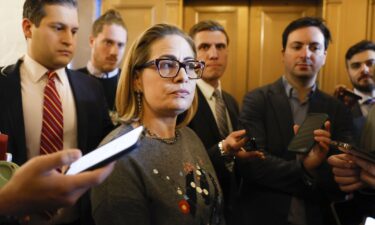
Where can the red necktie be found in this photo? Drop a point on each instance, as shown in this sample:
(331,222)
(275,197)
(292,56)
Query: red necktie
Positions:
(51,139)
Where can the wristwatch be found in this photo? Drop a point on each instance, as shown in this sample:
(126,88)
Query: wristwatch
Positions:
(222,152)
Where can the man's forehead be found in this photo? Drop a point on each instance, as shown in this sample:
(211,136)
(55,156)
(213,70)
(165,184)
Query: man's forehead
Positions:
(62,14)
(212,37)
(113,32)
(363,56)
(306,35)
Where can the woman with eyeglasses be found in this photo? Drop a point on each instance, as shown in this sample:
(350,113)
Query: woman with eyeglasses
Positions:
(169,179)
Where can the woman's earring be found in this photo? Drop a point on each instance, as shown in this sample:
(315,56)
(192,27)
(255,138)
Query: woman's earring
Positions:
(139,103)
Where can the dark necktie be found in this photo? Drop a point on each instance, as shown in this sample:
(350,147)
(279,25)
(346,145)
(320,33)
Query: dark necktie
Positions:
(51,139)
(368,131)
(221,114)
(369,101)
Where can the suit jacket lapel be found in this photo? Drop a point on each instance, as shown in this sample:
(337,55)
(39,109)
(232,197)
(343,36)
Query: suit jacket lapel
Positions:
(14,113)
(356,110)
(233,112)
(82,122)
(208,114)
(281,108)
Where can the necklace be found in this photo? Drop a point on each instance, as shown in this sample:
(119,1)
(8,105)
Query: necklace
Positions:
(169,141)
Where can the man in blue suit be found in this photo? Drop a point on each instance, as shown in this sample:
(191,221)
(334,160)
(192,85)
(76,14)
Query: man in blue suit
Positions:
(50,28)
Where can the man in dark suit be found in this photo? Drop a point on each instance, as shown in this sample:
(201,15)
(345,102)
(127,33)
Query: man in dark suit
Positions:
(107,41)
(285,187)
(217,127)
(50,30)
(360,65)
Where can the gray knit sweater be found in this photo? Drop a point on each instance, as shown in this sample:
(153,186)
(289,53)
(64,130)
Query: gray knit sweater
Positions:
(160,184)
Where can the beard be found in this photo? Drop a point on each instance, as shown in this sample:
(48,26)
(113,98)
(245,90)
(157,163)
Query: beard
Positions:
(368,88)
(367,85)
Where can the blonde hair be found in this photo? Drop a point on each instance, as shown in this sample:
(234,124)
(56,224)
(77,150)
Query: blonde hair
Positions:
(139,54)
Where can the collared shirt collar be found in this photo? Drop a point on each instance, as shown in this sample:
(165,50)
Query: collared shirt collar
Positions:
(207,89)
(292,92)
(36,71)
(365,96)
(99,74)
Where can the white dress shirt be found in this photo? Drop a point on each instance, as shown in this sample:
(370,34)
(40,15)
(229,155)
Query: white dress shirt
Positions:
(208,92)
(33,82)
(99,74)
(365,96)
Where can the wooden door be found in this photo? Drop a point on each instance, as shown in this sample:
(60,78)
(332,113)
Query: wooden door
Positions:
(234,18)
(254,28)
(139,15)
(268,20)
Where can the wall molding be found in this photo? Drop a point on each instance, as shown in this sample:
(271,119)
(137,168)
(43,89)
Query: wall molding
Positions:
(334,1)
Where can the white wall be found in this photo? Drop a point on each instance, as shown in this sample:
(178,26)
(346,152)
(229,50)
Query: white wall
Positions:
(13,43)
(86,10)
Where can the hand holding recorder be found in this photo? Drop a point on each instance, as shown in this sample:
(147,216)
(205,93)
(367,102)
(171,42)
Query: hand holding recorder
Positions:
(346,172)
(234,143)
(347,96)
(354,169)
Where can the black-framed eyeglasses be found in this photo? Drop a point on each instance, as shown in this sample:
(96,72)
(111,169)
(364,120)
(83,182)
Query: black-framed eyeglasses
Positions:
(169,68)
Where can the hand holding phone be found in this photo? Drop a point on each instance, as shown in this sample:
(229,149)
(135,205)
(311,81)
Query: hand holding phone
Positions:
(303,141)
(347,96)
(107,152)
(350,149)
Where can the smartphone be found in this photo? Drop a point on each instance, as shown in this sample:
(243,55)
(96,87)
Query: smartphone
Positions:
(303,140)
(369,221)
(350,149)
(349,93)
(107,152)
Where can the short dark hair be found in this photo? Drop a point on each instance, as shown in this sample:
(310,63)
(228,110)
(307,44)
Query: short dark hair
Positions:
(359,47)
(207,25)
(307,22)
(34,9)
(108,18)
